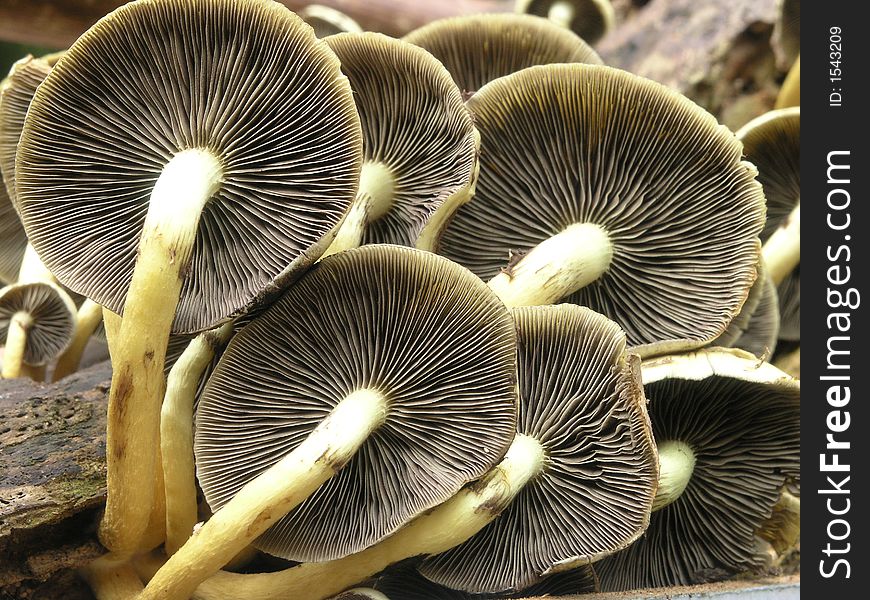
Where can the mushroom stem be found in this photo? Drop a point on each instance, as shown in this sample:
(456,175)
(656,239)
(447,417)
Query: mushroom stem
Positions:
(16,344)
(561,13)
(782,250)
(176,434)
(444,527)
(558,266)
(271,495)
(87,319)
(111,581)
(373,200)
(676,464)
(790,92)
(33,269)
(179,196)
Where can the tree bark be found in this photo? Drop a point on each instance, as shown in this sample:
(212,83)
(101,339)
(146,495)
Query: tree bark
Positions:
(53,465)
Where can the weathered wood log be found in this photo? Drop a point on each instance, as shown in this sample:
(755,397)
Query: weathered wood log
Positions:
(716,53)
(52,487)
(57,23)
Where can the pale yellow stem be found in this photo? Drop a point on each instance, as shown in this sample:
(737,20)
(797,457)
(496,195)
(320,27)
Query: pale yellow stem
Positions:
(373,200)
(782,250)
(184,187)
(176,434)
(444,527)
(33,270)
(87,319)
(112,581)
(271,495)
(676,465)
(558,266)
(16,344)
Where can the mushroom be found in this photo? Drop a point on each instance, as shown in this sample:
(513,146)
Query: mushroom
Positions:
(786,37)
(16,94)
(328,21)
(178,182)
(36,321)
(586,460)
(772,143)
(579,399)
(756,328)
(728,435)
(607,190)
(477,49)
(361,594)
(590,19)
(419,144)
(408,584)
(13,240)
(387,383)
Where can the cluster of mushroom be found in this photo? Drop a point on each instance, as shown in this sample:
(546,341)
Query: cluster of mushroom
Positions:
(436,264)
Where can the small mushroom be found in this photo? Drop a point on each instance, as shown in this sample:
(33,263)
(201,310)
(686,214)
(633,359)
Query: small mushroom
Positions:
(387,383)
(477,49)
(178,182)
(607,190)
(728,434)
(36,321)
(419,144)
(772,143)
(590,19)
(328,21)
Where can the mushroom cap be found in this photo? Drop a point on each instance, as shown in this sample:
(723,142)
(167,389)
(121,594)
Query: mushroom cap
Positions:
(16,93)
(756,327)
(742,420)
(328,21)
(414,122)
(582,399)
(564,144)
(423,331)
(786,37)
(772,143)
(590,19)
(477,49)
(13,240)
(407,584)
(246,80)
(760,335)
(53,314)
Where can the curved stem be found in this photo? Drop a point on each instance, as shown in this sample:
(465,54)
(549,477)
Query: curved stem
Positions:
(790,92)
(184,187)
(676,465)
(33,269)
(374,199)
(16,344)
(176,434)
(556,267)
(271,495)
(87,319)
(782,250)
(442,528)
